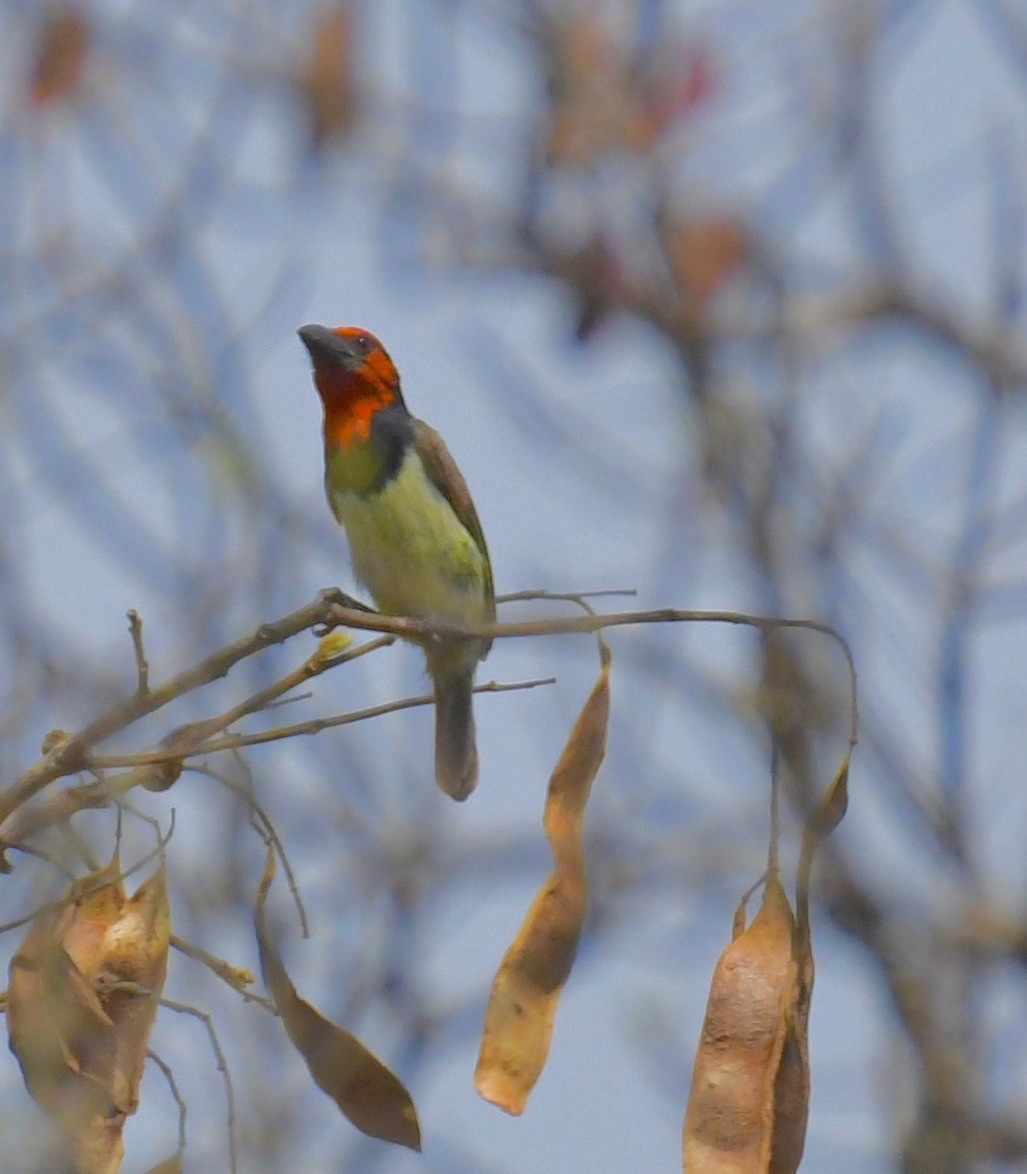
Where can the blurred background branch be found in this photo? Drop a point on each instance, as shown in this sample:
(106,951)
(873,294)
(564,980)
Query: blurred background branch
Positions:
(722,301)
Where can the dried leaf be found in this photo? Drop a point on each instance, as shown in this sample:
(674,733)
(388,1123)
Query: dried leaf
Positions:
(792,1087)
(526,991)
(60,57)
(596,277)
(367,1092)
(703,254)
(603,100)
(80,1034)
(750,1086)
(681,82)
(172,1165)
(571,781)
(594,105)
(695,82)
(325,78)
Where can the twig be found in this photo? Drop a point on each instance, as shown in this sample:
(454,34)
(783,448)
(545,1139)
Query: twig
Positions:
(571,596)
(775,819)
(291,700)
(411,629)
(237,977)
(331,609)
(314,726)
(196,732)
(265,829)
(222,1066)
(179,1100)
(52,860)
(51,906)
(72,754)
(59,807)
(760,880)
(135,627)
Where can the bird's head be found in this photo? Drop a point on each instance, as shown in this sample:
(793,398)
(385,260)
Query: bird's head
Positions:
(353,375)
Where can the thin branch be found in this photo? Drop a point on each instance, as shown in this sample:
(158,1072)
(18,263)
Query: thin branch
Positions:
(52,859)
(52,906)
(330,610)
(169,1076)
(56,808)
(568,596)
(222,1066)
(196,732)
(135,627)
(264,828)
(72,754)
(314,726)
(419,630)
(773,863)
(237,977)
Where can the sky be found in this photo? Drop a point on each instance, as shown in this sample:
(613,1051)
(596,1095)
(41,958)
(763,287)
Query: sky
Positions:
(602,490)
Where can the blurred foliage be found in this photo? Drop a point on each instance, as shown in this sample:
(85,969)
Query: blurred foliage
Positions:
(789,239)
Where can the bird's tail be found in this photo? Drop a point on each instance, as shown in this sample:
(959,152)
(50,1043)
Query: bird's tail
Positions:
(456,756)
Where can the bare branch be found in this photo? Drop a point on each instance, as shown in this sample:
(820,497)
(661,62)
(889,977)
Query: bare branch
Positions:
(72,754)
(135,627)
(222,1066)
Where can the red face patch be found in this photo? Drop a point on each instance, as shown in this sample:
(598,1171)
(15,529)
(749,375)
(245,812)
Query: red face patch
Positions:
(352,396)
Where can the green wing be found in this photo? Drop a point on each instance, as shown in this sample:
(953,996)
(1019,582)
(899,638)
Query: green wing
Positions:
(443,473)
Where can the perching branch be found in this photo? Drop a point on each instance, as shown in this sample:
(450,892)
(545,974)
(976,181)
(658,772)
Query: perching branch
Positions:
(327,612)
(71,755)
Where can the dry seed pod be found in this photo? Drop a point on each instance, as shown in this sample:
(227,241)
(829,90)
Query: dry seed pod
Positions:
(83,995)
(526,990)
(750,1085)
(369,1094)
(749,1102)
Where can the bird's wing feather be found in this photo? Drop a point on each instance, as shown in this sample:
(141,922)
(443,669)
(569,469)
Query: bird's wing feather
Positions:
(443,473)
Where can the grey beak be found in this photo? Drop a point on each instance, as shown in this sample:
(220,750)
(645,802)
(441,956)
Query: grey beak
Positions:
(325,346)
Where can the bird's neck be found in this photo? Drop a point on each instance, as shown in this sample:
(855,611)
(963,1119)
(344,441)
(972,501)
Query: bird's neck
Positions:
(350,403)
(366,432)
(349,425)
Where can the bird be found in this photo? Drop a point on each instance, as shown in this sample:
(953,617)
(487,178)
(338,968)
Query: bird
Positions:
(414,536)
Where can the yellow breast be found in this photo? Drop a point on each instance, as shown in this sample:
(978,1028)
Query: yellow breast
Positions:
(411,551)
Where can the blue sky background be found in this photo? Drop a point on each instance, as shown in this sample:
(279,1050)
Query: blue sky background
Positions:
(165,232)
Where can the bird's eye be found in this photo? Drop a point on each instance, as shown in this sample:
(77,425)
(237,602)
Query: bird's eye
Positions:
(364,343)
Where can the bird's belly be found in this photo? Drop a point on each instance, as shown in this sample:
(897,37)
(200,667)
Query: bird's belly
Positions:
(412,552)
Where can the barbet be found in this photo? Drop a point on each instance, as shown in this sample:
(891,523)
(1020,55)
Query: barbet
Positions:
(413,532)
